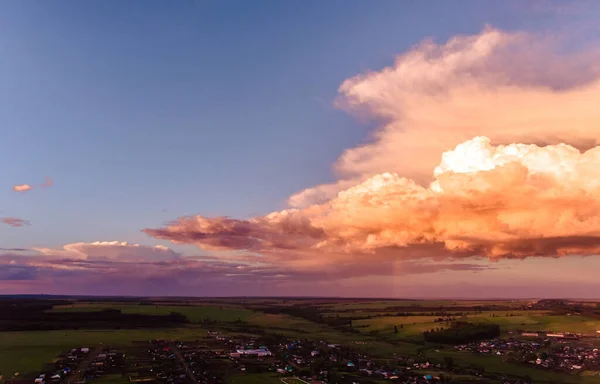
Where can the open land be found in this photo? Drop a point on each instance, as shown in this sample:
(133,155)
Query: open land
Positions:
(496,341)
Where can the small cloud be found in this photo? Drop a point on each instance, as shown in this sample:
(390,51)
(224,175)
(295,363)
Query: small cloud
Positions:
(22,188)
(48,183)
(14,222)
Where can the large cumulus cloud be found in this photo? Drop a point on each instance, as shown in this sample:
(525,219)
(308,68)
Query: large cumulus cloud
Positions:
(510,87)
(487,147)
(499,201)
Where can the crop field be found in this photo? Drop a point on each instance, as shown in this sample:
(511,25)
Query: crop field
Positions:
(362,325)
(412,326)
(376,305)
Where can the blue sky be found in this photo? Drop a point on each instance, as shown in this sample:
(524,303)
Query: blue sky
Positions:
(144,111)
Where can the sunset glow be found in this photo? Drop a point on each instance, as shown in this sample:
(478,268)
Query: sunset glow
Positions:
(470,158)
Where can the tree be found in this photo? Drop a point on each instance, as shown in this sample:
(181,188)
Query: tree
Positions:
(449,362)
(317,365)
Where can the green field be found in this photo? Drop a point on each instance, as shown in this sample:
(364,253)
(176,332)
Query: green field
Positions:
(441,304)
(28,352)
(414,326)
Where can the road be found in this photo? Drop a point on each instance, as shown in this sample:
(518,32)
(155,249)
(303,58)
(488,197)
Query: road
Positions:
(79,373)
(188,371)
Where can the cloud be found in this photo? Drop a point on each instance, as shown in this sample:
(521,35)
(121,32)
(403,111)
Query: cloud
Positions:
(14,222)
(26,187)
(123,268)
(445,175)
(111,250)
(500,201)
(47,183)
(22,188)
(510,87)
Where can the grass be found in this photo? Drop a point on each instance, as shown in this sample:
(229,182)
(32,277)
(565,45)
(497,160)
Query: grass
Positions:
(28,352)
(261,378)
(295,327)
(412,327)
(447,304)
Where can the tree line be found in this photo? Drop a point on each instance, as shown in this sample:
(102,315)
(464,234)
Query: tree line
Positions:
(462,332)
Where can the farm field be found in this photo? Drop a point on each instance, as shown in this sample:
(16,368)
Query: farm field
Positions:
(439,304)
(414,326)
(298,328)
(364,326)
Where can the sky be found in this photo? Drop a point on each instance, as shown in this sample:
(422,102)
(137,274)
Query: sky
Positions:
(300,148)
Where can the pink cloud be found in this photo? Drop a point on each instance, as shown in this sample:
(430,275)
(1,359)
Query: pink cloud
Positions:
(14,222)
(125,268)
(22,188)
(110,250)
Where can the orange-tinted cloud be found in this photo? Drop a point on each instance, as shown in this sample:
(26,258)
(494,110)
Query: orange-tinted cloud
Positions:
(22,188)
(498,201)
(26,187)
(510,87)
(14,222)
(444,176)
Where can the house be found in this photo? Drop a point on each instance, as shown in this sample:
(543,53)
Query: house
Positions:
(530,334)
(255,352)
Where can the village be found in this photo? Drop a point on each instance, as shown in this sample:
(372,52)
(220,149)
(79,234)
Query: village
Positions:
(217,357)
(552,351)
